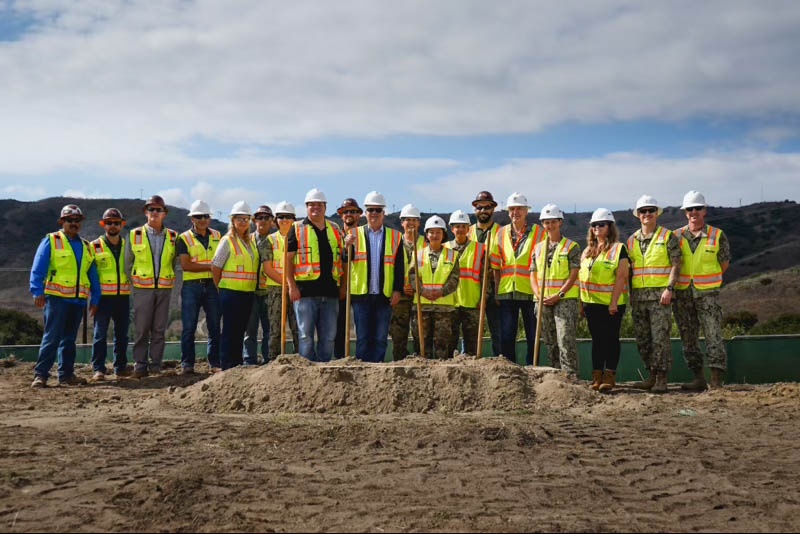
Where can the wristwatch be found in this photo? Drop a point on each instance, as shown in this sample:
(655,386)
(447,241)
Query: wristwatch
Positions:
(561,294)
(671,289)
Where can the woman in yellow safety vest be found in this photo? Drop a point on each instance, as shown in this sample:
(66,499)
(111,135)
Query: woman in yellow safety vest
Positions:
(604,293)
(235,271)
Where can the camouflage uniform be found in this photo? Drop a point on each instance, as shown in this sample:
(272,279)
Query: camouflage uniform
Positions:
(401,316)
(560,322)
(466,319)
(652,322)
(437,321)
(695,308)
(274,311)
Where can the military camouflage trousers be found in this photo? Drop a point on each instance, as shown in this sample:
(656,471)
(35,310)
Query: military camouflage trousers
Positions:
(559,333)
(399,328)
(652,323)
(274,310)
(465,325)
(437,327)
(692,313)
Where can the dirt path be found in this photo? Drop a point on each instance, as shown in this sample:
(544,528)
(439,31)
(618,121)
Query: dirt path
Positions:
(467,446)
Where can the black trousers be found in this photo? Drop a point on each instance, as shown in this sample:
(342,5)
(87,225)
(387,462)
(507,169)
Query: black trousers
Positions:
(604,328)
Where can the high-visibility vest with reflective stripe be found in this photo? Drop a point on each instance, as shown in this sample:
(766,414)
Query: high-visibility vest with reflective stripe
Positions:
(241,269)
(64,271)
(494,230)
(514,268)
(436,280)
(598,276)
(200,254)
(700,267)
(558,270)
(359,283)
(468,294)
(652,268)
(143,270)
(262,276)
(278,242)
(306,260)
(110,270)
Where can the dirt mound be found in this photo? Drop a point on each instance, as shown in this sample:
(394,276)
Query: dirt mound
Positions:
(465,384)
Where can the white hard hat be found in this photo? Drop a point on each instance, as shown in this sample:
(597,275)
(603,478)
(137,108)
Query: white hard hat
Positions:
(551,211)
(517,199)
(199,207)
(693,199)
(647,201)
(410,211)
(315,195)
(435,222)
(602,214)
(374,198)
(240,208)
(459,217)
(284,207)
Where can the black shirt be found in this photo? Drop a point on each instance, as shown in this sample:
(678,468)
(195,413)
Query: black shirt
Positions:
(325,285)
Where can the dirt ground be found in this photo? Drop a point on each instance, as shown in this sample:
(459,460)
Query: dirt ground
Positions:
(466,445)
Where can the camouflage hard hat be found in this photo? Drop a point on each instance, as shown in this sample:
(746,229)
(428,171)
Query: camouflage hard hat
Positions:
(71,210)
(349,203)
(155,200)
(484,196)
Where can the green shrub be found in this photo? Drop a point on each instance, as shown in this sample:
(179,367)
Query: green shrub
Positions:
(742,320)
(788,323)
(17,328)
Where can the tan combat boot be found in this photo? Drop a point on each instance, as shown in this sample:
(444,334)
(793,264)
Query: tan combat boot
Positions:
(660,385)
(597,378)
(648,383)
(609,381)
(698,384)
(716,378)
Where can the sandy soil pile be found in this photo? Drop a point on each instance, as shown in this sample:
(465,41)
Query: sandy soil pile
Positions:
(464,384)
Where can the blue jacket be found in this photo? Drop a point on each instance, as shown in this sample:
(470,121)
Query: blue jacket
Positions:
(41,264)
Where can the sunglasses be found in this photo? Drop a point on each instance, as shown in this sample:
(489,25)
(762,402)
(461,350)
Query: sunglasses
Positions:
(374,210)
(73,220)
(647,210)
(156,210)
(599,224)
(284,217)
(241,219)
(112,223)
(201,217)
(694,208)
(262,217)
(484,208)
(353,212)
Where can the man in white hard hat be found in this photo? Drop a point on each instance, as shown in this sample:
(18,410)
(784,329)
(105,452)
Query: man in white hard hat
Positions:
(272,262)
(63,278)
(377,271)
(401,313)
(706,256)
(468,294)
(484,206)
(259,315)
(559,307)
(511,259)
(350,213)
(314,268)
(150,263)
(195,250)
(655,257)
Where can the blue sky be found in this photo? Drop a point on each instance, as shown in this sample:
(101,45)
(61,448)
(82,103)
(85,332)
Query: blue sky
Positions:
(581,104)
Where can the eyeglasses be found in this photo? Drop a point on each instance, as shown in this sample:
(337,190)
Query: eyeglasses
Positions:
(642,211)
(73,220)
(601,224)
(695,208)
(112,223)
(353,212)
(284,217)
(241,219)
(484,208)
(263,217)
(374,210)
(201,217)
(156,210)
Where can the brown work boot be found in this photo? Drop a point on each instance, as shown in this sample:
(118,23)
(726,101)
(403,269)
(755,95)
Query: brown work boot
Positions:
(597,378)
(609,381)
(698,384)
(39,382)
(716,378)
(660,385)
(647,383)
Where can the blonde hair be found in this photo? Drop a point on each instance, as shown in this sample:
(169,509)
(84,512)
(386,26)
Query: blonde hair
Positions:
(232,229)
(593,248)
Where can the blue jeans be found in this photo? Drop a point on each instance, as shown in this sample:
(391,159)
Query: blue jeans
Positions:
(317,314)
(372,315)
(509,313)
(115,308)
(236,306)
(61,322)
(196,294)
(258,315)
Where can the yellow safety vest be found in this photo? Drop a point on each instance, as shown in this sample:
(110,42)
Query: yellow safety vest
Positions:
(262,276)
(652,268)
(598,276)
(558,270)
(700,267)
(359,282)
(436,280)
(494,229)
(515,268)
(241,269)
(306,260)
(200,254)
(143,270)
(113,280)
(64,271)
(278,242)
(468,294)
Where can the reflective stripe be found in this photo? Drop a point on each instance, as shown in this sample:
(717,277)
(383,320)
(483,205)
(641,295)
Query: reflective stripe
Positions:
(436,280)
(652,268)
(597,278)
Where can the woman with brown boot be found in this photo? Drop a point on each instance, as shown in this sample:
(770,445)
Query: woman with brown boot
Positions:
(603,283)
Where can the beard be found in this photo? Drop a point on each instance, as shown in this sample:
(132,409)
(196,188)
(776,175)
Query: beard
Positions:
(483,217)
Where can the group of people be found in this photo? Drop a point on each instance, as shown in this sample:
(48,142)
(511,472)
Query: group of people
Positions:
(311,273)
